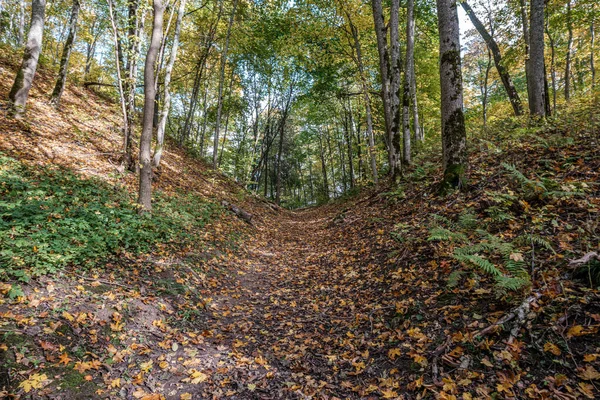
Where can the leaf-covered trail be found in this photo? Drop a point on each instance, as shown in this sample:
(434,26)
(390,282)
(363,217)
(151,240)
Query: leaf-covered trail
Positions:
(298,305)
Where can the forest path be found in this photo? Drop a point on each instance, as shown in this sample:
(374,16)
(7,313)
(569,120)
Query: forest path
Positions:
(290,308)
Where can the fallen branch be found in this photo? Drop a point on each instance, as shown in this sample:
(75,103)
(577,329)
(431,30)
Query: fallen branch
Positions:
(104,282)
(244,215)
(592,255)
(520,311)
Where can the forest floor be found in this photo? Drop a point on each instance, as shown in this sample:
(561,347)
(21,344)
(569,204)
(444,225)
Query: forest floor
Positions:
(360,298)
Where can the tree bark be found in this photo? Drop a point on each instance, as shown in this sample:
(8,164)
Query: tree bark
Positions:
(118,57)
(568,55)
(21,27)
(384,69)
(511,91)
(160,131)
(221,83)
(366,98)
(592,54)
(20,89)
(537,104)
(64,61)
(552,65)
(323,168)
(145,188)
(395,87)
(525,25)
(453,121)
(410,46)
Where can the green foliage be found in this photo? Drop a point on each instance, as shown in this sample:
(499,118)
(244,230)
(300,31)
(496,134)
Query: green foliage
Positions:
(482,250)
(50,218)
(544,187)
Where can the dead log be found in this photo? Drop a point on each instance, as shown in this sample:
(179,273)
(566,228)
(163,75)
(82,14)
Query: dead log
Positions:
(240,213)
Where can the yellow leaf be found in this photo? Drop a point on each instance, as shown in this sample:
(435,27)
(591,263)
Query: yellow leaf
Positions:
(590,357)
(68,316)
(389,394)
(552,348)
(115,383)
(576,330)
(195,377)
(185,396)
(35,381)
(393,353)
(147,366)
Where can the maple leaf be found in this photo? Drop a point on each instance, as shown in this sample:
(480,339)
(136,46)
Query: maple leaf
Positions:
(64,359)
(393,353)
(35,381)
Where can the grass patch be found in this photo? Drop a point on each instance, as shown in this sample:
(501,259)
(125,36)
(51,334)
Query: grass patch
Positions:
(50,218)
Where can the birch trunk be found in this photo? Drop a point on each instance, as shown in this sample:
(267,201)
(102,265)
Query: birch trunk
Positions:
(145,189)
(66,55)
(160,131)
(20,89)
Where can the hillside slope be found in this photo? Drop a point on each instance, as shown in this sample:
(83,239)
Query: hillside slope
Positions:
(393,293)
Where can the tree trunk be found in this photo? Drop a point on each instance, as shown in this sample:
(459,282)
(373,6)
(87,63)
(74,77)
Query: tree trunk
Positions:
(160,131)
(221,82)
(484,91)
(384,68)
(592,44)
(323,169)
(552,65)
(453,121)
(21,27)
(537,104)
(118,57)
(348,136)
(366,98)
(410,46)
(64,61)
(568,55)
(525,24)
(415,106)
(395,87)
(511,91)
(145,192)
(20,89)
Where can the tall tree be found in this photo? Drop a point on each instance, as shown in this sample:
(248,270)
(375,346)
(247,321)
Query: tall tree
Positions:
(410,50)
(453,121)
(20,89)
(66,55)
(221,84)
(511,91)
(568,55)
(537,74)
(145,188)
(164,114)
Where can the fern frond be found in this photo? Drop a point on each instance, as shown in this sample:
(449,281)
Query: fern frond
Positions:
(480,262)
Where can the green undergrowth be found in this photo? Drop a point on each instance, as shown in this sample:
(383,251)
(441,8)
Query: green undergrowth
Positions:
(51,218)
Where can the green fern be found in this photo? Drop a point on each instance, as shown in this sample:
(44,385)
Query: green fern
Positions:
(443,234)
(480,262)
